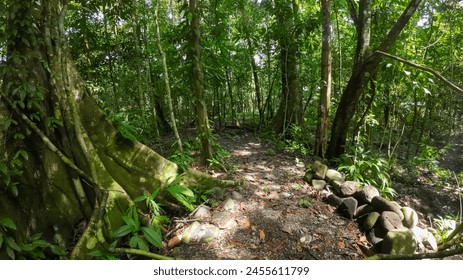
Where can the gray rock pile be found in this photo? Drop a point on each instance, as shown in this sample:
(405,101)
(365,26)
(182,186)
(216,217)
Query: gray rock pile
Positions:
(390,228)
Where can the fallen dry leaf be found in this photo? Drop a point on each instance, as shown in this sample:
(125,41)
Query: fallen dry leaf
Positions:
(246,223)
(287,229)
(262,235)
(236,243)
(341,245)
(174,241)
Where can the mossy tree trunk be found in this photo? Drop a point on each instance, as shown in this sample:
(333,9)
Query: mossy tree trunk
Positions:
(52,190)
(204,130)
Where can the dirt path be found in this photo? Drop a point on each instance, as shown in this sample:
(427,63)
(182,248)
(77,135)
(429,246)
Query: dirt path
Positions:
(275,215)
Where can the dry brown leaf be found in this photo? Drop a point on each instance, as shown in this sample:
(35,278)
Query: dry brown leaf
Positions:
(363,239)
(246,223)
(236,243)
(174,241)
(287,229)
(253,228)
(262,235)
(341,245)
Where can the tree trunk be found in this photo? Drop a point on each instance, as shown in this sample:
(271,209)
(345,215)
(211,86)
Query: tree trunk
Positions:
(166,80)
(290,109)
(321,138)
(365,67)
(74,161)
(204,130)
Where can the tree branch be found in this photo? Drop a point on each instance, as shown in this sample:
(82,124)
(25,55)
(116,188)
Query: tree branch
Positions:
(399,25)
(426,69)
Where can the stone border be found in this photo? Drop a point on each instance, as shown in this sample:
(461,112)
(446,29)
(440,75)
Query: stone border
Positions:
(389,227)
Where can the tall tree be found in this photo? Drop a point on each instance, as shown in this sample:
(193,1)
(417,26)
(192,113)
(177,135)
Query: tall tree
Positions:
(321,138)
(166,77)
(290,109)
(365,65)
(204,130)
(68,163)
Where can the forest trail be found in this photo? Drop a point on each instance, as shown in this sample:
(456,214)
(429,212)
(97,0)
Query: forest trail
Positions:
(274,215)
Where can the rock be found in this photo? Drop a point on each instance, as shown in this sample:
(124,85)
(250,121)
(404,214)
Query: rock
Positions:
(308,176)
(371,220)
(366,194)
(424,237)
(390,220)
(210,234)
(229,204)
(190,232)
(363,210)
(333,175)
(333,200)
(337,183)
(203,211)
(348,188)
(399,242)
(318,184)
(319,170)
(410,217)
(223,220)
(347,207)
(373,238)
(381,204)
(236,195)
(286,194)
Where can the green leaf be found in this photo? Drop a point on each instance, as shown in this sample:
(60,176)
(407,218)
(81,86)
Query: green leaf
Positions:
(139,199)
(41,243)
(182,195)
(36,236)
(27,247)
(96,253)
(142,245)
(1,240)
(7,222)
(123,231)
(7,123)
(39,255)
(23,153)
(3,168)
(133,243)
(189,16)
(153,236)
(10,253)
(131,222)
(14,190)
(10,242)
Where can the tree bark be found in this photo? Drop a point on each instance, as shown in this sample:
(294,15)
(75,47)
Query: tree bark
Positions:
(78,160)
(321,138)
(166,79)
(204,130)
(290,109)
(365,67)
